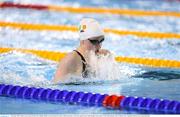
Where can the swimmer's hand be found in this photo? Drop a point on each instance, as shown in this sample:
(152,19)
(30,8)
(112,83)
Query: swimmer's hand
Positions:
(103,52)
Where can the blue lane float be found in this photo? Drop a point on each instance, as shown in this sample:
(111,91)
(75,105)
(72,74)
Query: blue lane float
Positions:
(151,105)
(147,105)
(52,95)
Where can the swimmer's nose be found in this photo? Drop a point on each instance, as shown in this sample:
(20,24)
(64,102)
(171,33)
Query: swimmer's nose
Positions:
(98,46)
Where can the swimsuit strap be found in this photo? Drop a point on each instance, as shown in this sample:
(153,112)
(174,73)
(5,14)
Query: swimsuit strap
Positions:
(84,71)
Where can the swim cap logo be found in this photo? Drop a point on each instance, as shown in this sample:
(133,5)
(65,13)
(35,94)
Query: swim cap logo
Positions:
(82,28)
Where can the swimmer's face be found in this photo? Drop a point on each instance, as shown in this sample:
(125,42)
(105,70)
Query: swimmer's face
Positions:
(95,43)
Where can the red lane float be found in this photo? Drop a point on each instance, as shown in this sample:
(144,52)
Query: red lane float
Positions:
(23,6)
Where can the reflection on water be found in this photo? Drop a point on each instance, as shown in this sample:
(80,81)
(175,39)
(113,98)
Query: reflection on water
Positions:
(159,75)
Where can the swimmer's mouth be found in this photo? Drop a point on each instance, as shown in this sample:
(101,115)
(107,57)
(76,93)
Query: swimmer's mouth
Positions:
(96,51)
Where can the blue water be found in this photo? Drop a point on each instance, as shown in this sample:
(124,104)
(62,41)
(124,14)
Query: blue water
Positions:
(130,80)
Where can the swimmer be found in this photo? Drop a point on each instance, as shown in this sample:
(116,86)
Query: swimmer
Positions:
(77,62)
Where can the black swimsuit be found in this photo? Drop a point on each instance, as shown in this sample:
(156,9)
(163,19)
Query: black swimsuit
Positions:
(84,67)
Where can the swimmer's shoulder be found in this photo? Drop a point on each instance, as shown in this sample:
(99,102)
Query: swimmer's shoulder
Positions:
(71,57)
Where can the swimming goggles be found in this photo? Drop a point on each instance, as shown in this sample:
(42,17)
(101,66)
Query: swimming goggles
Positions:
(96,42)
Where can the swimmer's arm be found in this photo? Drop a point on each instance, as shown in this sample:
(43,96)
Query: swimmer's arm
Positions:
(64,69)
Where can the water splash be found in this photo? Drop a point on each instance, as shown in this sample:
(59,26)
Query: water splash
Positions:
(103,69)
(106,68)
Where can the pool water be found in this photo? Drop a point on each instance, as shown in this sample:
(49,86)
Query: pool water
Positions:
(121,79)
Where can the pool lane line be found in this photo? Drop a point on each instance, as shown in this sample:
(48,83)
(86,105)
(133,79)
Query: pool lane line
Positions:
(50,55)
(142,104)
(22,6)
(41,27)
(57,56)
(172,0)
(114,11)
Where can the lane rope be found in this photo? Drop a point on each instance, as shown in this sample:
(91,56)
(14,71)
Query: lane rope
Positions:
(40,27)
(143,104)
(116,11)
(57,56)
